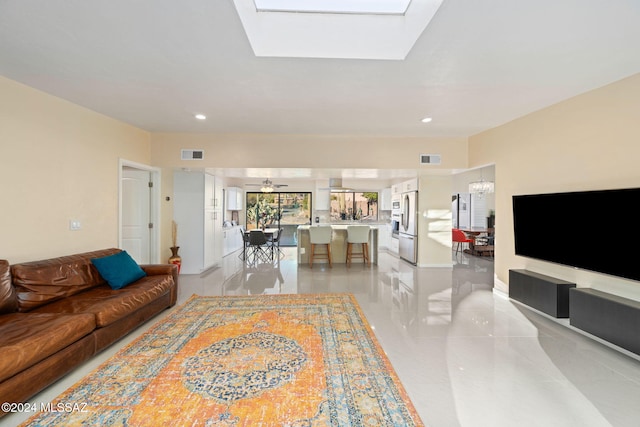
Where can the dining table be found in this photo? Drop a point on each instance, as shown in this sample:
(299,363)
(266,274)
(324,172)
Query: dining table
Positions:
(474,232)
(269,233)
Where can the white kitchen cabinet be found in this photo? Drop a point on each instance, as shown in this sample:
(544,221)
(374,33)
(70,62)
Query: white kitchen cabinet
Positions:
(384,237)
(210,254)
(322,201)
(218,194)
(227,238)
(240,199)
(210,201)
(385,199)
(197,210)
(395,246)
(231,199)
(403,187)
(232,240)
(410,185)
(235,199)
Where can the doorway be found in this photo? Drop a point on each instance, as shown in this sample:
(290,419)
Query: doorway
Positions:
(139,211)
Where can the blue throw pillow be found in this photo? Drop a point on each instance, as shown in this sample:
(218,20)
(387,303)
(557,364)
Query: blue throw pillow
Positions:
(119,269)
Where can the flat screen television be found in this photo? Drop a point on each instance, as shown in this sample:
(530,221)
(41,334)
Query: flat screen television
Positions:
(591,230)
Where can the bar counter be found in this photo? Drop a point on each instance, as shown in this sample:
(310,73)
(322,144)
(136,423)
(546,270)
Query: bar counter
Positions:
(338,245)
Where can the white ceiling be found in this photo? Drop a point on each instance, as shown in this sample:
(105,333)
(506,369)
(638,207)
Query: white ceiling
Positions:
(155,63)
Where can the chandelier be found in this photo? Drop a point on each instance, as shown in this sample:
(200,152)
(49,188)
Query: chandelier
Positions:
(481,187)
(267,187)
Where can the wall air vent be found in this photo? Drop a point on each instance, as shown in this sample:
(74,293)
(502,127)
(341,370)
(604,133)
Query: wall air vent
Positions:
(191,154)
(430,159)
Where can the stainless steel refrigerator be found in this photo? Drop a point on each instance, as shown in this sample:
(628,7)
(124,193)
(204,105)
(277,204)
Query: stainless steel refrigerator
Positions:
(408,233)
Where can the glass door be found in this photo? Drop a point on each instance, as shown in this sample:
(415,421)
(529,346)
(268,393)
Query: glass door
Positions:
(279,210)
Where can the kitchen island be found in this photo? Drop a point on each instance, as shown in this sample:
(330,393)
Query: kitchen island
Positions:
(338,245)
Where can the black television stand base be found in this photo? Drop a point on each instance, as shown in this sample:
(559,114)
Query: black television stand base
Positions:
(544,293)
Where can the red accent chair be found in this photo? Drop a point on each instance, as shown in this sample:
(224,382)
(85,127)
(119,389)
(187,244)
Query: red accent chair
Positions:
(459,237)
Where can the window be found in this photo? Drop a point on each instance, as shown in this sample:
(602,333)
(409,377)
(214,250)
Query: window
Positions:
(354,206)
(279,210)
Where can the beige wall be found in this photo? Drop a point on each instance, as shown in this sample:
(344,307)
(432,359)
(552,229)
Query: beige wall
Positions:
(434,221)
(306,151)
(58,162)
(585,143)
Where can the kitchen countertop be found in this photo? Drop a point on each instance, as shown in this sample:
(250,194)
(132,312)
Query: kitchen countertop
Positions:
(338,243)
(339,226)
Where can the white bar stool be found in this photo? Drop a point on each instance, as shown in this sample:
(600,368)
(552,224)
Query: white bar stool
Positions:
(358,234)
(320,235)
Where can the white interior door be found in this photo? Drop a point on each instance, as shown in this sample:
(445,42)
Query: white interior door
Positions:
(136,214)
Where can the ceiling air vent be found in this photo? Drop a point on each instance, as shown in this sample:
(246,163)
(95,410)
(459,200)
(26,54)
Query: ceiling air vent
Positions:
(430,159)
(191,154)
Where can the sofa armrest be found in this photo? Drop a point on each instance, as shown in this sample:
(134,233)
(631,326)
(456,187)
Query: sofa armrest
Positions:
(155,269)
(166,269)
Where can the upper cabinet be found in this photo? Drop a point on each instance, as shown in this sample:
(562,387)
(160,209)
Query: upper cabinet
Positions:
(322,200)
(235,199)
(403,187)
(385,199)
(410,185)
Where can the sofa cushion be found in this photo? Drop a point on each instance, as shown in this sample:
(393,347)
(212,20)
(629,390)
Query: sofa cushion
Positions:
(8,302)
(28,338)
(109,305)
(119,269)
(40,282)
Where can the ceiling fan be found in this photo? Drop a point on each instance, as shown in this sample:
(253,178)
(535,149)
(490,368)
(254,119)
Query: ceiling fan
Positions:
(267,186)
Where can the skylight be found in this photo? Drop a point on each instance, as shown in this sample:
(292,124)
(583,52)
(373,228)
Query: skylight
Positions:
(385,7)
(358,29)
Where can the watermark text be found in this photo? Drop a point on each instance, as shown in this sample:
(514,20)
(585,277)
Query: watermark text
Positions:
(44,407)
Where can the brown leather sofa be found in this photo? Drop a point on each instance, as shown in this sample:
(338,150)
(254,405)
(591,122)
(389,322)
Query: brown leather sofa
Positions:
(57,313)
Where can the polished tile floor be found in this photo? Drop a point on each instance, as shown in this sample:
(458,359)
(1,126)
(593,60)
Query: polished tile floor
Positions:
(466,355)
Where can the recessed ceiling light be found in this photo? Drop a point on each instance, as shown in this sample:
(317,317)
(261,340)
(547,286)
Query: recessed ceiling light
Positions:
(426,120)
(201,117)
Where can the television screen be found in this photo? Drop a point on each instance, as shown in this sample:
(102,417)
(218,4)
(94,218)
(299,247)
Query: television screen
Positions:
(592,230)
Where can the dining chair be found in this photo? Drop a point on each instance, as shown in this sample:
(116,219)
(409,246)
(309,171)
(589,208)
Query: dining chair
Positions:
(320,235)
(458,236)
(274,242)
(358,235)
(245,242)
(258,244)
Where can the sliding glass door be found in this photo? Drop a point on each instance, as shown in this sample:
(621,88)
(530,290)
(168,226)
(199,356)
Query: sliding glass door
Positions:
(279,210)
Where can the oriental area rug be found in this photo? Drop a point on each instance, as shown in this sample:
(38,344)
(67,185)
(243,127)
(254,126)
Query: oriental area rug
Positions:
(267,360)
